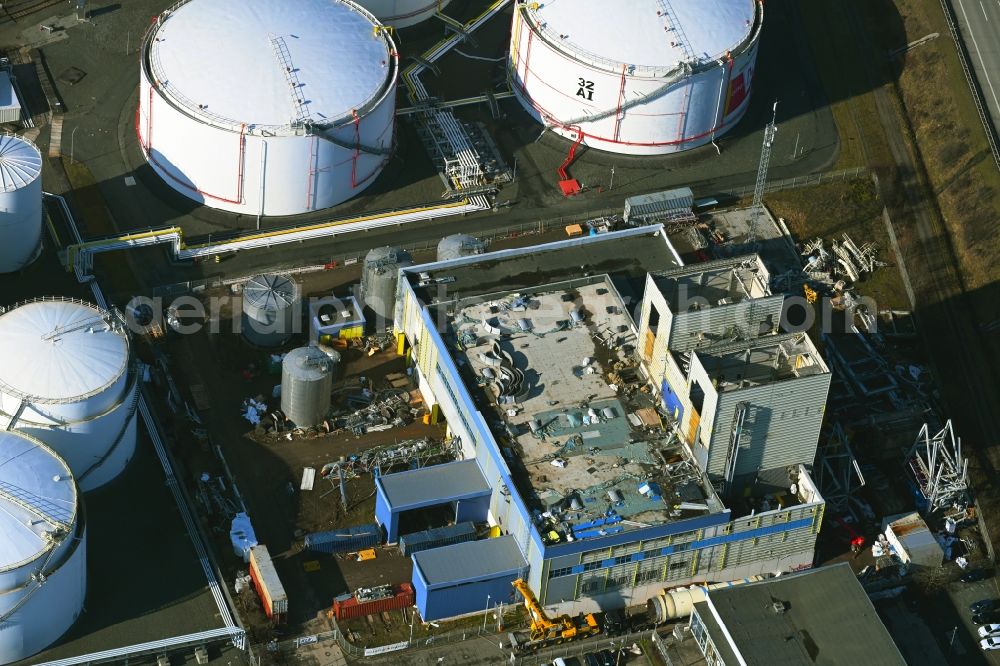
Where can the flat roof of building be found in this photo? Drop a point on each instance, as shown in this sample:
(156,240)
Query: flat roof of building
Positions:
(761,361)
(556,365)
(627,260)
(711,283)
(469,561)
(337,310)
(432,485)
(821,616)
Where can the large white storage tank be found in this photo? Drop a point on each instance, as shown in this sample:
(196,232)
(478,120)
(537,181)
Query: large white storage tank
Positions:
(643,77)
(267,108)
(67,377)
(43,547)
(403,13)
(20,202)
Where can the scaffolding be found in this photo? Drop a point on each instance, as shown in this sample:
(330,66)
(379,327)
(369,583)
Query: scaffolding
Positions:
(757,207)
(939,469)
(838,474)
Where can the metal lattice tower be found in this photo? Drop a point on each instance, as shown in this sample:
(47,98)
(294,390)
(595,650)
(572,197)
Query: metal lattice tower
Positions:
(757,208)
(940,470)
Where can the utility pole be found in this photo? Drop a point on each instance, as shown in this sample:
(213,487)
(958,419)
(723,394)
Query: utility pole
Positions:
(611,186)
(757,207)
(486,612)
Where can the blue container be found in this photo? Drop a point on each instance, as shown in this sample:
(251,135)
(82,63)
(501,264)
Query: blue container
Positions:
(436,537)
(346,539)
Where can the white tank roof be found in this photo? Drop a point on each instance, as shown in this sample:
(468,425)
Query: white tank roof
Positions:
(20,162)
(60,350)
(37,497)
(216,58)
(647,33)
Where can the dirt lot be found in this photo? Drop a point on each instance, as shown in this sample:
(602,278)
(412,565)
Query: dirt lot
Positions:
(829,211)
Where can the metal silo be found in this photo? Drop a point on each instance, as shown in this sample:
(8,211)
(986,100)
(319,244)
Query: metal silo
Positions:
(43,547)
(71,382)
(459,245)
(306,381)
(270,306)
(20,202)
(380,277)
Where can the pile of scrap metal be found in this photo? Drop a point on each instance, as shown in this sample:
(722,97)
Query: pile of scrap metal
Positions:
(845,260)
(375,412)
(408,454)
(379,342)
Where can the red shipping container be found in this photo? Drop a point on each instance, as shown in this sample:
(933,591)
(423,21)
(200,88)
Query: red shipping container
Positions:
(349,608)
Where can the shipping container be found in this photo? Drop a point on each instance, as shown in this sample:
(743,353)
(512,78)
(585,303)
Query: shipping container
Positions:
(346,539)
(346,606)
(659,205)
(268,585)
(436,537)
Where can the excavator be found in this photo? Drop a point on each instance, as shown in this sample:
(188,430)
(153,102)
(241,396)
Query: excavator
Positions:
(545,630)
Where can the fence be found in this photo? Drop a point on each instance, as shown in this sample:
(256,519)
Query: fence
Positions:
(661,649)
(984,533)
(963,57)
(840,175)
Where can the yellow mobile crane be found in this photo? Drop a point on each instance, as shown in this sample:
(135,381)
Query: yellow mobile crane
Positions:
(544,630)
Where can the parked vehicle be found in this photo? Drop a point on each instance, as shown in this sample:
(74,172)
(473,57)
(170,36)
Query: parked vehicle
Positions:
(976,575)
(987,617)
(984,605)
(988,630)
(991,643)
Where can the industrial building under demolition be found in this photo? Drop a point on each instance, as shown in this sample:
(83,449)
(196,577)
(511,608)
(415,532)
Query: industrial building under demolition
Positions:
(534,359)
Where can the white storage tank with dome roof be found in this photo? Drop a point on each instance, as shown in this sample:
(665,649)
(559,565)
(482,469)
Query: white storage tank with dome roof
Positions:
(403,13)
(267,108)
(20,202)
(72,383)
(43,547)
(646,77)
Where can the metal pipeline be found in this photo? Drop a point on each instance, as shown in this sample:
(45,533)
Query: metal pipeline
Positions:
(678,602)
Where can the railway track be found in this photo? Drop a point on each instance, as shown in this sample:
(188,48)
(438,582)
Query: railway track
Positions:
(15,11)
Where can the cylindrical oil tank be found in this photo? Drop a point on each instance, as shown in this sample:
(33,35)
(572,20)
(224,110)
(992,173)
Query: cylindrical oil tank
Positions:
(20,202)
(644,78)
(67,377)
(267,108)
(270,309)
(43,547)
(380,278)
(306,381)
(678,602)
(403,13)
(459,245)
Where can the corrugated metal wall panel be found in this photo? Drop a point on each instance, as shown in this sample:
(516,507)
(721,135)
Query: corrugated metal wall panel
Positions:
(433,538)
(474,597)
(349,538)
(719,320)
(785,428)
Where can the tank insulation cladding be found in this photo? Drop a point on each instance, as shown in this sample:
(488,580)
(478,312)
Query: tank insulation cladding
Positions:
(643,77)
(67,377)
(403,13)
(20,202)
(267,108)
(43,547)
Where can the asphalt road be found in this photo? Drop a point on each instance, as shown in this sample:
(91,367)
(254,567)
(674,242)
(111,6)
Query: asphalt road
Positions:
(979,27)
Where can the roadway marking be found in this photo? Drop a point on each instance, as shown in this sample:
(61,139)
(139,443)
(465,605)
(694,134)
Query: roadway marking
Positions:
(979,53)
(984,11)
